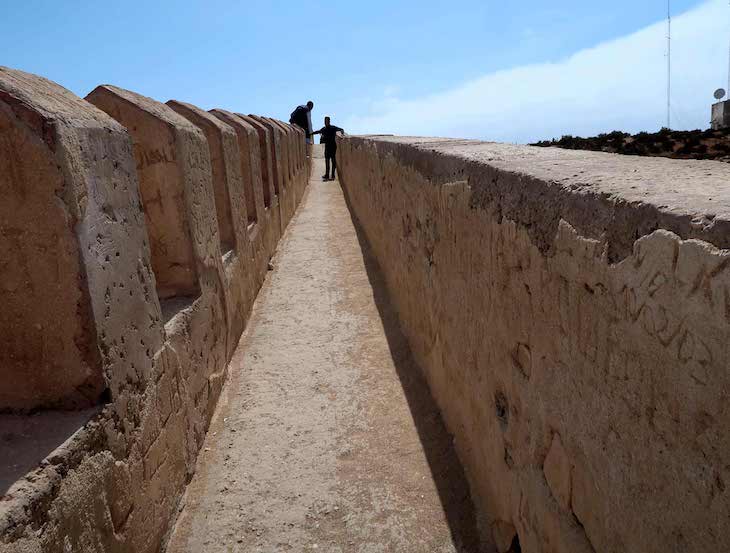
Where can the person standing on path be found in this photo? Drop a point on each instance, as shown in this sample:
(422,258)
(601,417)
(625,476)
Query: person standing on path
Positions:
(329,138)
(301,117)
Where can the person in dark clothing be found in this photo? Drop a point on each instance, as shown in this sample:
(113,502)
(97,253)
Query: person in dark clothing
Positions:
(301,118)
(329,138)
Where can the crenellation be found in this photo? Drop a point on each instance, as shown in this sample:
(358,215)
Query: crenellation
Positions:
(165,167)
(267,183)
(126,304)
(271,201)
(250,163)
(274,134)
(285,148)
(221,139)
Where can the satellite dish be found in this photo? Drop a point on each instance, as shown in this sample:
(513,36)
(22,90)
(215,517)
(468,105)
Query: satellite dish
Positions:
(719,94)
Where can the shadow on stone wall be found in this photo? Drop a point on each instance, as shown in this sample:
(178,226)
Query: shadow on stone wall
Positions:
(437,442)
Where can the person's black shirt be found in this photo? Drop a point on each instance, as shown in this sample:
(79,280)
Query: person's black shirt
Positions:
(299,117)
(329,135)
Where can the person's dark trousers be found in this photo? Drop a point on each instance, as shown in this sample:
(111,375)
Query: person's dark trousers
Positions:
(330,153)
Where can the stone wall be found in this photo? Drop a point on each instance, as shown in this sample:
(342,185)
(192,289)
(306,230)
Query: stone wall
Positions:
(570,311)
(134,237)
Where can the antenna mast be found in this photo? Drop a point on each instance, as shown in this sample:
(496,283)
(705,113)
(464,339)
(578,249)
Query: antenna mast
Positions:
(669,64)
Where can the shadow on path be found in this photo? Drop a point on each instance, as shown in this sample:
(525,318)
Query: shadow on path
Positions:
(446,469)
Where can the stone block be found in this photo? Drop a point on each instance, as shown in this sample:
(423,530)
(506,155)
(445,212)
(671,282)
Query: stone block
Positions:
(248,145)
(58,154)
(225,166)
(265,143)
(172,159)
(294,133)
(285,150)
(275,134)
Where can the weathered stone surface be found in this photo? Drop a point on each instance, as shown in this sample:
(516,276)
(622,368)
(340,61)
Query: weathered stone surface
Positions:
(299,169)
(272,205)
(225,165)
(297,147)
(557,469)
(549,292)
(225,157)
(66,173)
(298,135)
(250,162)
(503,534)
(258,217)
(265,159)
(278,167)
(286,147)
(276,154)
(290,181)
(289,133)
(171,156)
(116,482)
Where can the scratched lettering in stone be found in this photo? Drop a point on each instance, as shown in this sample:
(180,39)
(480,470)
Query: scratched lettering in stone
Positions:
(152,156)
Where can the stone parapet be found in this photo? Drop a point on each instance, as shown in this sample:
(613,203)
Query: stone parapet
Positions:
(570,313)
(129,272)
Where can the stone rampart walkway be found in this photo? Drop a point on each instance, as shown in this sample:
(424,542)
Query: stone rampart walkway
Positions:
(325,438)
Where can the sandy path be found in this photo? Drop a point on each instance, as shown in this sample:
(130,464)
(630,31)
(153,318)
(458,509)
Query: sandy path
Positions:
(325,438)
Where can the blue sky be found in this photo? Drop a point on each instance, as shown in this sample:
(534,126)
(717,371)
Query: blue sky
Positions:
(422,67)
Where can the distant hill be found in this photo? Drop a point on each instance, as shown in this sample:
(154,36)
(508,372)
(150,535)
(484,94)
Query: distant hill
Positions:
(697,144)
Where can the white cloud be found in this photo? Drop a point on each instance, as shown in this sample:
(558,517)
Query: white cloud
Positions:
(619,84)
(391,90)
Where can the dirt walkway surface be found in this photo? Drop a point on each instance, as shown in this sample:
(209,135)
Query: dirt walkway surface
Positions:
(326,437)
